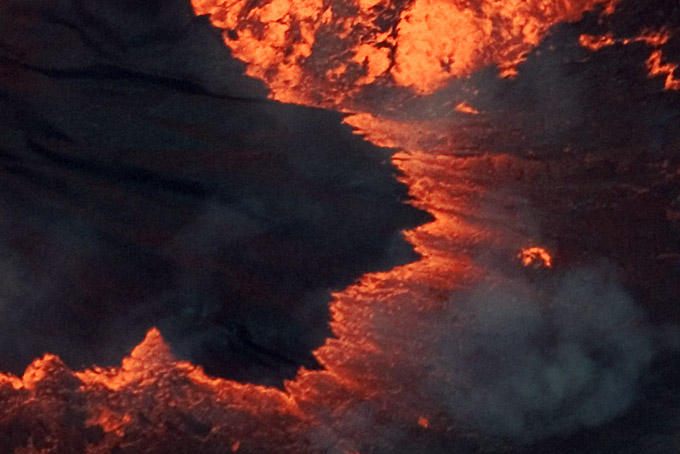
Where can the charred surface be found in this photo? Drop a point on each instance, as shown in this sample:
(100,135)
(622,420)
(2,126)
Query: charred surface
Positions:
(146,182)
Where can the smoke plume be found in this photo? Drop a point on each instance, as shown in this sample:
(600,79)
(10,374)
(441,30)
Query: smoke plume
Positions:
(526,361)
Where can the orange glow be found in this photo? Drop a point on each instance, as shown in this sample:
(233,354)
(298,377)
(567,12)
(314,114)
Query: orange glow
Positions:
(650,37)
(11,380)
(110,421)
(464,107)
(149,388)
(655,63)
(358,362)
(424,60)
(362,362)
(657,67)
(535,256)
(596,42)
(653,38)
(429,42)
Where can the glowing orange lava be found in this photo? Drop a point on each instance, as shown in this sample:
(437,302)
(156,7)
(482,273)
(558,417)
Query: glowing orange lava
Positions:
(655,63)
(313,52)
(310,52)
(597,42)
(535,256)
(150,391)
(657,67)
(463,107)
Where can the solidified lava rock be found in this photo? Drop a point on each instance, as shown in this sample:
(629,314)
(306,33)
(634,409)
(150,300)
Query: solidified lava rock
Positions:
(146,182)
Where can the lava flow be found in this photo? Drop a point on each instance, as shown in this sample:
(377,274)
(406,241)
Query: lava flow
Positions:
(316,52)
(396,369)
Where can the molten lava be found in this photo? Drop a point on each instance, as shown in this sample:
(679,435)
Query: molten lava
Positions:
(464,107)
(657,67)
(150,396)
(313,52)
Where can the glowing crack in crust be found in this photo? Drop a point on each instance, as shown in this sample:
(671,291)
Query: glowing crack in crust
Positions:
(656,64)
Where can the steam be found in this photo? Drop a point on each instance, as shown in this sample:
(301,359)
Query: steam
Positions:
(527,360)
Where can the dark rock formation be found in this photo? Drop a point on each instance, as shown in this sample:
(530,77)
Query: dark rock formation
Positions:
(146,182)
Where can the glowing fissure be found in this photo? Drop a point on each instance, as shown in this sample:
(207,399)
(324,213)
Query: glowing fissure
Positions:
(656,64)
(463,107)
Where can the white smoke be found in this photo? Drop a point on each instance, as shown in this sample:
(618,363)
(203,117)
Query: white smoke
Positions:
(524,360)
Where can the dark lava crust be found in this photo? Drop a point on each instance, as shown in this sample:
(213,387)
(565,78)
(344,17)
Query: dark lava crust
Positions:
(146,182)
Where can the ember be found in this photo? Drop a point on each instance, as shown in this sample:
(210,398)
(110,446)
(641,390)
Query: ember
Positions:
(535,256)
(465,108)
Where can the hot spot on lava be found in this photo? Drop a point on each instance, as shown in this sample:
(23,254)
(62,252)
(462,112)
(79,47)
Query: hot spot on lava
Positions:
(535,256)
